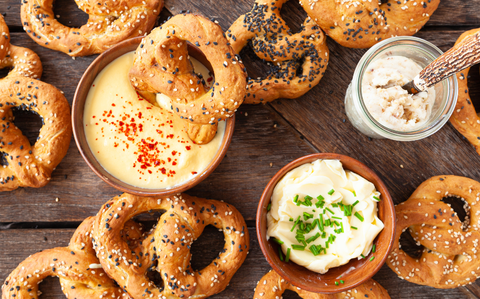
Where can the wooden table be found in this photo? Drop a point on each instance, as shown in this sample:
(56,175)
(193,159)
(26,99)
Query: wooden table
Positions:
(266,138)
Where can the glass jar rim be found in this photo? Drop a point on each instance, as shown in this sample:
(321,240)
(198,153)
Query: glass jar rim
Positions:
(448,104)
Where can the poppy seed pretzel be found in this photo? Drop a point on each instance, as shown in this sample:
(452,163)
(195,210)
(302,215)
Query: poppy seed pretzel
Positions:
(170,56)
(361,24)
(449,258)
(81,275)
(272,286)
(109,22)
(26,165)
(273,41)
(23,61)
(464,117)
(228,90)
(167,246)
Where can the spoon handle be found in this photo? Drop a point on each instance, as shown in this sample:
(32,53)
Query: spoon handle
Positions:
(461,56)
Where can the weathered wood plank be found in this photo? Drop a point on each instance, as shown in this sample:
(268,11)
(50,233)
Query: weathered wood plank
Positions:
(449,13)
(204,250)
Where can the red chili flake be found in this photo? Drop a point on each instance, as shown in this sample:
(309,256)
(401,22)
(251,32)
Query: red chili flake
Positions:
(93,116)
(113,104)
(210,79)
(139,115)
(174,153)
(194,172)
(188,147)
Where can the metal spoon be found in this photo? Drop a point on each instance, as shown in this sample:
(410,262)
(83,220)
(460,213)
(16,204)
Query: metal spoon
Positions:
(461,56)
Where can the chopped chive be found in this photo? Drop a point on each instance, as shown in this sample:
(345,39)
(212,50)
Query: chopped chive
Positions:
(342,282)
(354,227)
(280,253)
(320,222)
(336,283)
(331,192)
(315,249)
(308,197)
(307,216)
(334,205)
(313,238)
(341,226)
(278,241)
(298,247)
(291,219)
(287,257)
(372,258)
(362,256)
(376,198)
(295,198)
(355,203)
(295,224)
(320,198)
(354,194)
(330,211)
(374,248)
(335,217)
(269,207)
(359,216)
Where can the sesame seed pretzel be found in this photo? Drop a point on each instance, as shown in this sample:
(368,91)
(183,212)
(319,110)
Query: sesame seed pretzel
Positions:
(26,165)
(465,118)
(228,90)
(272,286)
(110,22)
(361,24)
(81,275)
(23,61)
(273,41)
(188,85)
(449,258)
(167,247)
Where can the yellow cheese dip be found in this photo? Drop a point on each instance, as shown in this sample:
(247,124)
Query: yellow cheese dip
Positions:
(137,142)
(324,215)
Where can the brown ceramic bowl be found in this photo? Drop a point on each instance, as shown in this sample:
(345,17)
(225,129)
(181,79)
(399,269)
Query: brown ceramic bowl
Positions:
(79,133)
(353,273)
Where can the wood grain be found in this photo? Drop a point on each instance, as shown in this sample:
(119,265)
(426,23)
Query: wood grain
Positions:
(204,250)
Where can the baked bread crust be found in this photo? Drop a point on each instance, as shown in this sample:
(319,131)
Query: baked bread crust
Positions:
(449,257)
(76,265)
(32,166)
(273,41)
(465,118)
(109,22)
(361,24)
(272,286)
(168,244)
(23,61)
(150,74)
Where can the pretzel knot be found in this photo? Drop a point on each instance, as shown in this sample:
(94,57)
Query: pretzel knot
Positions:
(449,258)
(298,60)
(25,165)
(23,61)
(81,275)
(109,22)
(161,65)
(361,24)
(167,247)
(272,286)
(465,118)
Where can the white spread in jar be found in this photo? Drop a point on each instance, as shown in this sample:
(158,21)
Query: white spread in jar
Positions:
(322,215)
(385,99)
(137,142)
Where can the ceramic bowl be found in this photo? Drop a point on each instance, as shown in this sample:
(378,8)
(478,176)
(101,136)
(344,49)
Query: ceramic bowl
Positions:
(79,133)
(353,273)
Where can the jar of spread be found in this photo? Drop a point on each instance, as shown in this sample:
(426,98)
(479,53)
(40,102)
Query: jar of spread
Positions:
(378,107)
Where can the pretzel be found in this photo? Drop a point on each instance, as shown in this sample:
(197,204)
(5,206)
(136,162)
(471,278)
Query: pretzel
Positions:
(26,165)
(109,22)
(23,61)
(167,247)
(272,286)
(361,24)
(273,41)
(151,70)
(449,258)
(465,118)
(81,275)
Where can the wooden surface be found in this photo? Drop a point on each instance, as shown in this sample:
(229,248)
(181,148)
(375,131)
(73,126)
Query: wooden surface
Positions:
(266,138)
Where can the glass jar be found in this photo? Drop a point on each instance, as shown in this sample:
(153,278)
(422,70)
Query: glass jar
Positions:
(420,51)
